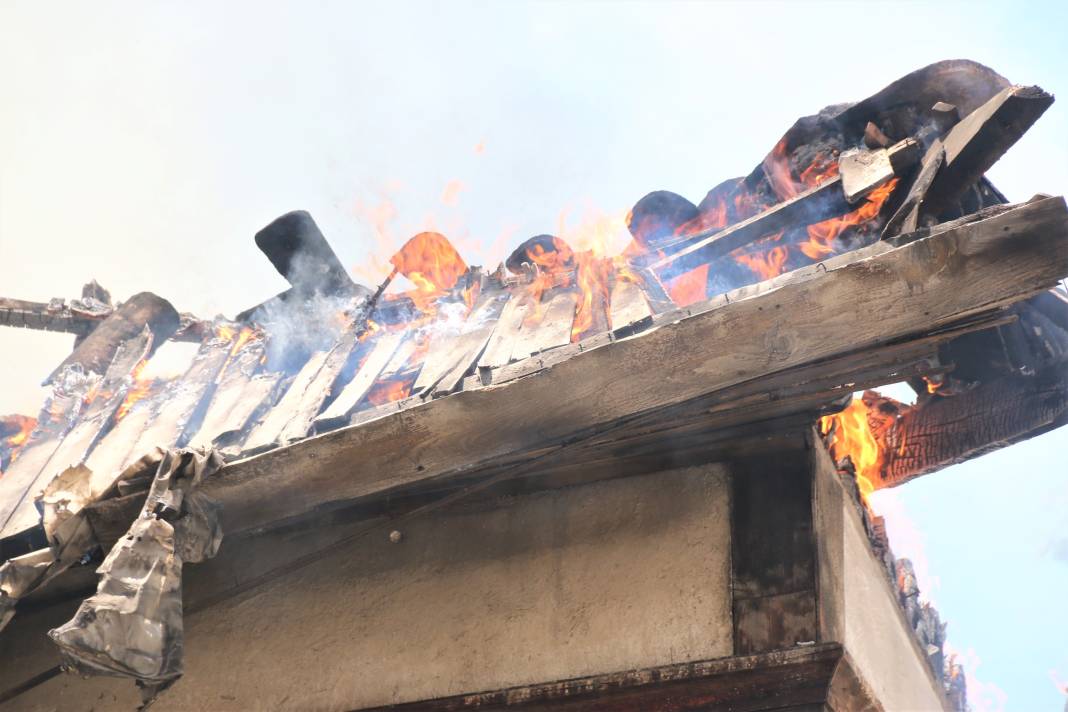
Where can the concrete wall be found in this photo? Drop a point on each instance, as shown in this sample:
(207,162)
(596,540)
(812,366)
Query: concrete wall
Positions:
(622,574)
(859,608)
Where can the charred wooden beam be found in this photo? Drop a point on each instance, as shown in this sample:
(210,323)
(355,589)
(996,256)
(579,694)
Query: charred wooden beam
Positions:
(979,140)
(943,431)
(97,350)
(822,202)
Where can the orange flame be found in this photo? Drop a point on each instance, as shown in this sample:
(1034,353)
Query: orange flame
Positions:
(391,390)
(432,264)
(855,437)
(19,427)
(139,388)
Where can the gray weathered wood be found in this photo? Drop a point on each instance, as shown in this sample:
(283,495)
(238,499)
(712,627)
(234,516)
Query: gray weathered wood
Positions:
(980,139)
(319,389)
(547,325)
(268,433)
(452,353)
(230,405)
(91,424)
(921,286)
(627,304)
(382,350)
(498,351)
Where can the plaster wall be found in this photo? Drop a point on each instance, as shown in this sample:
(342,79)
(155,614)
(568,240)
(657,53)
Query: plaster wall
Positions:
(622,574)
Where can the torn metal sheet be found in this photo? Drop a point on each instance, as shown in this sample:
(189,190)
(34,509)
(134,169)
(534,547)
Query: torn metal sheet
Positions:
(132,627)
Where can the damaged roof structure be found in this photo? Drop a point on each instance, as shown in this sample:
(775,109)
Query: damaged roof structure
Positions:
(535,454)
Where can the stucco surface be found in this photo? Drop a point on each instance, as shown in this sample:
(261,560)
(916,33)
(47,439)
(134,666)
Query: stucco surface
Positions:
(622,574)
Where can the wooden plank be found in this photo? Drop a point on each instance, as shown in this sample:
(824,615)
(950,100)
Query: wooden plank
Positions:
(59,411)
(91,424)
(980,139)
(319,389)
(906,217)
(498,351)
(814,205)
(183,399)
(547,326)
(453,353)
(385,345)
(109,456)
(799,678)
(232,402)
(257,397)
(268,433)
(927,284)
(627,304)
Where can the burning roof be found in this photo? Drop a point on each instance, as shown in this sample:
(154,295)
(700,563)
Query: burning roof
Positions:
(742,309)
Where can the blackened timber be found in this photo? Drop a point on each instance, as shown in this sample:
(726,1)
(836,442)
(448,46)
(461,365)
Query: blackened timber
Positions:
(814,205)
(381,352)
(980,139)
(925,285)
(232,402)
(97,350)
(299,251)
(945,431)
(39,315)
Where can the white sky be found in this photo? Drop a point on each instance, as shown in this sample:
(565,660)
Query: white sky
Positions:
(143,144)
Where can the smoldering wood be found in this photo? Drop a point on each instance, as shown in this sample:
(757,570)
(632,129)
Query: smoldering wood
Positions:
(97,350)
(906,218)
(814,205)
(57,416)
(498,351)
(874,137)
(319,389)
(980,139)
(452,353)
(257,397)
(863,171)
(228,408)
(184,398)
(268,433)
(795,321)
(381,353)
(38,315)
(945,431)
(91,424)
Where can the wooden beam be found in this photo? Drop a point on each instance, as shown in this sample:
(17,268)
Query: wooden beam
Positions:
(793,679)
(980,139)
(799,319)
(824,201)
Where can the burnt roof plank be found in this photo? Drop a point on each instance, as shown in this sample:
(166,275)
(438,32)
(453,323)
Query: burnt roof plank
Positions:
(980,139)
(230,407)
(627,304)
(498,351)
(382,350)
(548,325)
(930,282)
(458,348)
(268,433)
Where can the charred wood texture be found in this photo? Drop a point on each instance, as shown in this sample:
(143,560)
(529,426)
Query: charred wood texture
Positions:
(945,431)
(96,352)
(980,139)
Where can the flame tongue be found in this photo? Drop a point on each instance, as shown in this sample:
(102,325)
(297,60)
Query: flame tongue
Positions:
(432,264)
(14,432)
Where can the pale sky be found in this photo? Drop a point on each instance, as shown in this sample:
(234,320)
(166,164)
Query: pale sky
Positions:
(144,143)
